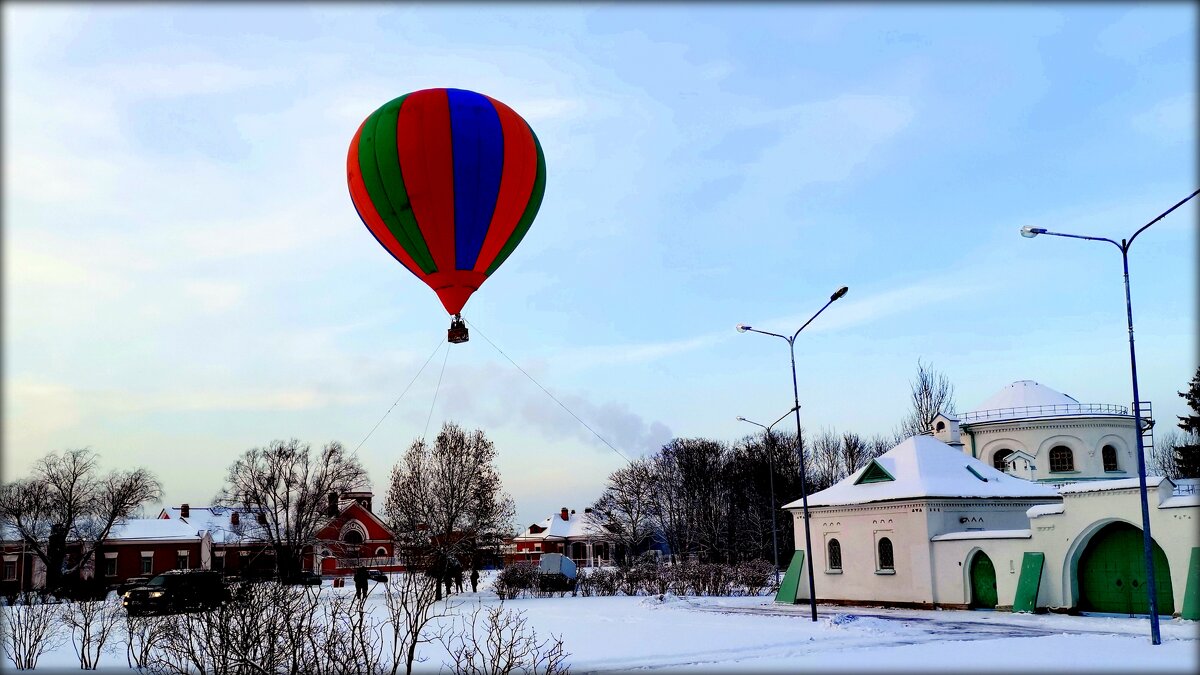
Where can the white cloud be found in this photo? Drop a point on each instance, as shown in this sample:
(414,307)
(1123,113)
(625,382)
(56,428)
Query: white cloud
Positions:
(1172,120)
(213,296)
(147,80)
(1144,28)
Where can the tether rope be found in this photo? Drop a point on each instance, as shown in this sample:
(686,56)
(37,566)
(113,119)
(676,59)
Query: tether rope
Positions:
(435,392)
(410,384)
(475,327)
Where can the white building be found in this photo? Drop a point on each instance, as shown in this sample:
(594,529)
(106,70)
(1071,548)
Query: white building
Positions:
(1035,432)
(933,523)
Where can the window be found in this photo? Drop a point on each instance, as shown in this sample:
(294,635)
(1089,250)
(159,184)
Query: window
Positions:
(1000,459)
(835,555)
(10,570)
(218,561)
(1061,459)
(1109,454)
(110,567)
(353,537)
(181,561)
(886,560)
(381,551)
(147,564)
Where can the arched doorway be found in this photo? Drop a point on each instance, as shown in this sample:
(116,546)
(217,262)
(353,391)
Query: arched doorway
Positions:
(1112,573)
(983,582)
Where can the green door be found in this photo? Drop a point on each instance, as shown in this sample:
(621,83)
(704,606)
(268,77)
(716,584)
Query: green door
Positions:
(1112,573)
(983,582)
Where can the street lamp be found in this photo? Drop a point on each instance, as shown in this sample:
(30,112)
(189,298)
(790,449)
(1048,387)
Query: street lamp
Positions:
(771,467)
(742,328)
(1147,541)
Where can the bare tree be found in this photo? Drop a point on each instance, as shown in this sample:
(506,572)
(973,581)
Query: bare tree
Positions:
(447,499)
(91,623)
(410,599)
(142,635)
(824,460)
(289,483)
(622,514)
(29,624)
(66,502)
(497,641)
(932,392)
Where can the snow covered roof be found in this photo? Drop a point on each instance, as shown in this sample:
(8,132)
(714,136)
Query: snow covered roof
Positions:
(1026,399)
(132,529)
(216,521)
(152,528)
(577,526)
(921,467)
(983,534)
(1103,485)
(1045,510)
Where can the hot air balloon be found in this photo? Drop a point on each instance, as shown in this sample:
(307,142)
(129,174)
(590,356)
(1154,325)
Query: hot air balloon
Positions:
(448,181)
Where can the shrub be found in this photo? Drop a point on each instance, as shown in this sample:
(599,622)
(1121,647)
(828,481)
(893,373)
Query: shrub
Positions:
(753,576)
(516,579)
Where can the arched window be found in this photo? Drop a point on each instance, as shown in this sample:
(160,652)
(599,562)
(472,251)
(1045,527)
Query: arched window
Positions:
(1109,455)
(1000,459)
(886,560)
(941,426)
(1061,459)
(835,555)
(352,537)
(381,551)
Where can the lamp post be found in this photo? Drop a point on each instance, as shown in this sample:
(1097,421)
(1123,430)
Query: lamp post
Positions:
(771,467)
(742,328)
(1147,541)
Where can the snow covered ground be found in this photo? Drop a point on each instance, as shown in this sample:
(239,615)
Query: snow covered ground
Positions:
(753,635)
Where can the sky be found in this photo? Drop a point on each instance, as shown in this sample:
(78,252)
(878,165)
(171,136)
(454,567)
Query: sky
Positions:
(185,276)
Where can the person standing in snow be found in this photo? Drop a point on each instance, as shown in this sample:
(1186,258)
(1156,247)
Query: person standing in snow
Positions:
(474,580)
(360,583)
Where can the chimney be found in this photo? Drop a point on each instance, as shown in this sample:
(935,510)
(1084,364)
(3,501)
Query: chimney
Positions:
(233,518)
(184,512)
(572,511)
(331,507)
(564,514)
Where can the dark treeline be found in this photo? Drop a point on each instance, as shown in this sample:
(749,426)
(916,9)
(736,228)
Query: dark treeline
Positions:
(712,499)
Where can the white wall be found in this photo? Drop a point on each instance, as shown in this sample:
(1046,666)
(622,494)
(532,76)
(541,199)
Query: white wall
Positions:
(1063,538)
(1085,436)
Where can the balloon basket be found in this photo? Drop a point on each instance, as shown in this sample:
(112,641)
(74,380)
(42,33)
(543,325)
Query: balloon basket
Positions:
(458,331)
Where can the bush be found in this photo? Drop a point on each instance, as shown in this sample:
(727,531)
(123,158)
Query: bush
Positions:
(516,579)
(597,581)
(30,624)
(753,576)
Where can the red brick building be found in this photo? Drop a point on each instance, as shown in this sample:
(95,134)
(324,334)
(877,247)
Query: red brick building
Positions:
(134,548)
(574,535)
(353,537)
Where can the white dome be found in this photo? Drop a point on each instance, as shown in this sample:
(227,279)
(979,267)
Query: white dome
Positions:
(1024,394)
(1026,399)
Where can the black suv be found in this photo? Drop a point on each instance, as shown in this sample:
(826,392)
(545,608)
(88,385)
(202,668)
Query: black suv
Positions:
(177,591)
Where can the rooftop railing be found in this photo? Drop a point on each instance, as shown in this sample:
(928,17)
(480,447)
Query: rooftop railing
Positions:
(1044,411)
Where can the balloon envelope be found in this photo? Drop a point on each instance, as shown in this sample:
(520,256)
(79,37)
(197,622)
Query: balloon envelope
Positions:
(449,182)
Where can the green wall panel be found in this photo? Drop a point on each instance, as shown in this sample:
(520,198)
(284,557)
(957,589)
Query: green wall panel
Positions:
(791,580)
(1030,581)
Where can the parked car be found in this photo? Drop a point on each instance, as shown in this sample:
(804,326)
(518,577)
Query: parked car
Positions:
(177,591)
(306,578)
(131,583)
(376,575)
